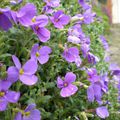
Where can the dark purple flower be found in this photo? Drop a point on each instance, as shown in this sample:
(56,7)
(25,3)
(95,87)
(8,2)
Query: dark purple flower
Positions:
(38,27)
(26,72)
(52,3)
(66,86)
(104,42)
(102,112)
(15,2)
(92,58)
(59,19)
(70,54)
(25,15)
(40,53)
(30,113)
(5,21)
(84,5)
(6,95)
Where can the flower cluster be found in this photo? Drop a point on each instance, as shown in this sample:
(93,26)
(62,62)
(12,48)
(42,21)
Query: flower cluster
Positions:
(80,54)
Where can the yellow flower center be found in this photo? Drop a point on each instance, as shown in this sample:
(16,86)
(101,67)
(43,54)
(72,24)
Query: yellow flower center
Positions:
(37,54)
(21,71)
(34,19)
(27,113)
(2,94)
(65,84)
(82,18)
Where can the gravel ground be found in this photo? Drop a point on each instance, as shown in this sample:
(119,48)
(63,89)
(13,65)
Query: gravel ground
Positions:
(114,44)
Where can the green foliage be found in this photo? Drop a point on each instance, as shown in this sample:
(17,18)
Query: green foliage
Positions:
(45,94)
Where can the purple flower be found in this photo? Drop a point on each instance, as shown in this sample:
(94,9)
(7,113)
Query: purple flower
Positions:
(25,15)
(15,2)
(59,19)
(84,5)
(86,18)
(75,34)
(52,3)
(6,95)
(85,48)
(26,72)
(102,112)
(92,75)
(47,10)
(38,27)
(30,113)
(104,42)
(66,86)
(94,92)
(78,61)
(5,21)
(70,54)
(92,58)
(40,53)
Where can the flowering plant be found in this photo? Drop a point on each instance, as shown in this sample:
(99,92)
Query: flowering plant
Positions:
(52,43)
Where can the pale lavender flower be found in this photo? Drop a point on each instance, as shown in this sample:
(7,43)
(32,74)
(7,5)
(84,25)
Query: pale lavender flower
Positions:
(15,2)
(59,19)
(52,3)
(102,112)
(26,72)
(66,86)
(40,53)
(30,113)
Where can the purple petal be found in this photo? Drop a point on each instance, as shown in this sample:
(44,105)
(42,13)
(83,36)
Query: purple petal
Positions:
(30,67)
(68,91)
(43,34)
(16,62)
(90,93)
(45,50)
(5,23)
(65,19)
(70,77)
(29,79)
(18,116)
(3,104)
(13,74)
(4,85)
(12,96)
(26,14)
(74,39)
(42,20)
(43,59)
(35,115)
(34,50)
(58,13)
(102,112)
(30,107)
(60,82)
(97,91)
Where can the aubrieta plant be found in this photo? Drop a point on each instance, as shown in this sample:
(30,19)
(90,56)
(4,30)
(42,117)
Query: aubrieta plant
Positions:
(54,68)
